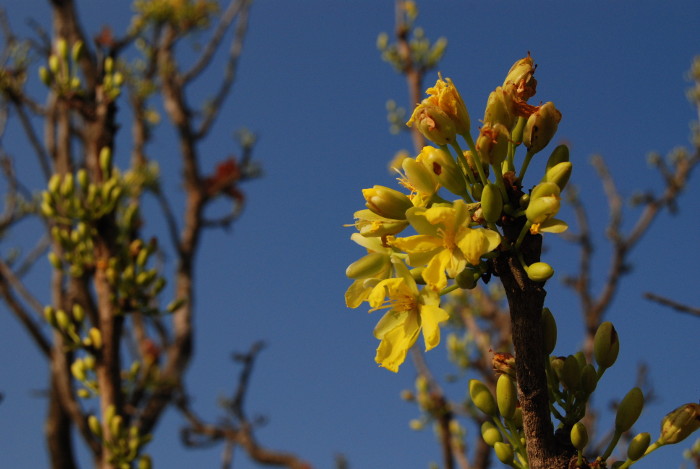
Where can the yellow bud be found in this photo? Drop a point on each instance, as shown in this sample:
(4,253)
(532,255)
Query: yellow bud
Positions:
(541,127)
(62,48)
(629,410)
(109,65)
(83,393)
(50,316)
(387,202)
(482,398)
(106,161)
(491,203)
(559,155)
(506,396)
(493,142)
(55,260)
(82,178)
(62,319)
(94,425)
(504,452)
(77,50)
(579,436)
(490,433)
(45,76)
(145,462)
(368,266)
(95,337)
(78,312)
(521,76)
(78,370)
(679,424)
(542,208)
(443,166)
(67,185)
(606,345)
(500,107)
(559,174)
(54,183)
(54,64)
(419,176)
(539,272)
(638,446)
(549,328)
(433,123)
(116,425)
(416,424)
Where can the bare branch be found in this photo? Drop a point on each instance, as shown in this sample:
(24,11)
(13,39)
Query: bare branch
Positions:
(680,307)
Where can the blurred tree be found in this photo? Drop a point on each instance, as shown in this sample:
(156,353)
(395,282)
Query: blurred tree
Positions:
(112,339)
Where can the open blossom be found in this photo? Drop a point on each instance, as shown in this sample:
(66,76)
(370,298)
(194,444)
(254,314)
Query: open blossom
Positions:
(410,312)
(445,95)
(445,242)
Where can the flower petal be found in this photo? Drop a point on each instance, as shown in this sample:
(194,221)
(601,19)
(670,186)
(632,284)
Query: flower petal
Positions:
(431,317)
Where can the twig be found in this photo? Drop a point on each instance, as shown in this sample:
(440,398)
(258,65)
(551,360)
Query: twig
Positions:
(680,307)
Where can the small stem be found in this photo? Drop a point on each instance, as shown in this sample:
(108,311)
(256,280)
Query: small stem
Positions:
(466,173)
(611,446)
(526,163)
(449,289)
(477,157)
(521,237)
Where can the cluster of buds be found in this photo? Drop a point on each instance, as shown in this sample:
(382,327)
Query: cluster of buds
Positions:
(504,428)
(124,444)
(62,71)
(182,15)
(456,240)
(73,328)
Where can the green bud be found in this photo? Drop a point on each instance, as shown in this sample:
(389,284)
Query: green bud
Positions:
(559,174)
(490,433)
(67,185)
(638,446)
(467,278)
(77,368)
(589,379)
(62,48)
(82,177)
(559,155)
(50,316)
(368,266)
(504,452)
(541,127)
(77,50)
(579,436)
(506,396)
(679,424)
(491,203)
(544,189)
(116,425)
(94,425)
(606,345)
(557,364)
(54,64)
(55,260)
(549,327)
(629,410)
(109,65)
(542,208)
(482,398)
(78,313)
(106,161)
(62,319)
(571,373)
(539,272)
(518,418)
(54,183)
(387,202)
(45,76)
(145,462)
(420,176)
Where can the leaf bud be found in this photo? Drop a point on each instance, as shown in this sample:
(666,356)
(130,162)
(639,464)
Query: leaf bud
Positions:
(387,202)
(559,174)
(638,446)
(629,410)
(433,123)
(491,203)
(679,424)
(506,396)
(606,345)
(482,398)
(549,328)
(539,272)
(490,433)
(444,167)
(541,127)
(504,452)
(579,436)
(108,65)
(54,184)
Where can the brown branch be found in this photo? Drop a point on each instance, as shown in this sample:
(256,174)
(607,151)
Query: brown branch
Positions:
(680,307)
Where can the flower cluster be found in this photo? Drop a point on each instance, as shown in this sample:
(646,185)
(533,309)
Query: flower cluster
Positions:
(458,203)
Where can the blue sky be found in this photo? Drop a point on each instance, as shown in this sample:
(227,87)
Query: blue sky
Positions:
(311,83)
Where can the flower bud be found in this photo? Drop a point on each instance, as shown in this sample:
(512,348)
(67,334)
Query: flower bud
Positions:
(106,161)
(433,123)
(54,260)
(557,364)
(482,398)
(77,50)
(539,272)
(500,107)
(549,328)
(78,313)
(368,266)
(638,445)
(571,373)
(506,396)
(467,278)
(629,410)
(387,202)
(504,452)
(521,75)
(542,208)
(445,95)
(62,319)
(545,189)
(62,48)
(491,203)
(94,425)
(77,368)
(606,345)
(45,76)
(579,436)
(116,425)
(67,185)
(541,127)
(559,155)
(145,462)
(679,424)
(420,177)
(559,174)
(490,433)
(370,224)
(54,64)
(493,142)
(444,168)
(589,379)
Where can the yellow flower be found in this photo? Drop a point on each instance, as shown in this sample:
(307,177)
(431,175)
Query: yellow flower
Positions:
(433,123)
(370,224)
(410,312)
(445,95)
(444,242)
